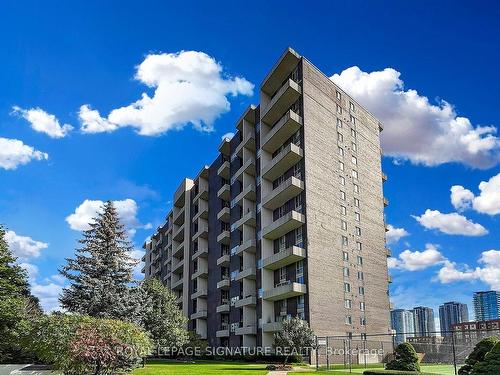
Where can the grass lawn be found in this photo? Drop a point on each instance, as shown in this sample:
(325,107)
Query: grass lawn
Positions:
(201,368)
(339,369)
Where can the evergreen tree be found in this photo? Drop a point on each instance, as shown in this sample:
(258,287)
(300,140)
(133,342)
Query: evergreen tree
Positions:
(478,354)
(101,272)
(406,359)
(490,364)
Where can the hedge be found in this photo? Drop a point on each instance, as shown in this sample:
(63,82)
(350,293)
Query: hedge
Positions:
(379,372)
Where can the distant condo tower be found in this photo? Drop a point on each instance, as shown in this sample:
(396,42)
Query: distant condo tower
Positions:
(287,221)
(487,305)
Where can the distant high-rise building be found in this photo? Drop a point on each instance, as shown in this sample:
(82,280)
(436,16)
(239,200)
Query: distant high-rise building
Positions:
(452,313)
(487,305)
(403,322)
(424,321)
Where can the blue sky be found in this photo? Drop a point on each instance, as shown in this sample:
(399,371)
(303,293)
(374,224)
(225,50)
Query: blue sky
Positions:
(58,56)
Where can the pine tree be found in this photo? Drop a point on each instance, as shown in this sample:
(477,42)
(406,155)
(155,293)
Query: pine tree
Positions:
(101,272)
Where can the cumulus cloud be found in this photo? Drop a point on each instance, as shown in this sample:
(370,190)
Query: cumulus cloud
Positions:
(488,200)
(488,271)
(31,269)
(48,294)
(189,88)
(14,153)
(43,122)
(137,255)
(394,234)
(229,135)
(452,223)
(417,260)
(24,247)
(414,128)
(89,209)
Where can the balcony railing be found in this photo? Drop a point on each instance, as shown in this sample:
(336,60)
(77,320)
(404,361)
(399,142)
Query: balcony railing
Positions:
(223,170)
(284,290)
(284,258)
(248,192)
(281,101)
(281,131)
(285,159)
(224,214)
(246,273)
(247,301)
(289,189)
(224,192)
(288,222)
(223,284)
(223,260)
(224,237)
(248,246)
(249,218)
(201,292)
(201,314)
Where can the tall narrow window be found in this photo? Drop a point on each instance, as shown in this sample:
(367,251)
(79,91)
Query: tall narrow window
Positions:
(299,272)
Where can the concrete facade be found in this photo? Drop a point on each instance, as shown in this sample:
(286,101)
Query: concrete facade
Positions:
(287,221)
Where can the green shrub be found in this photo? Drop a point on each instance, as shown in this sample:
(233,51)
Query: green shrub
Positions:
(394,372)
(81,345)
(491,363)
(406,359)
(477,355)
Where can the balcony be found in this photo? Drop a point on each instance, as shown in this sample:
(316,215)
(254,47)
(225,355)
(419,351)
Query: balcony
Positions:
(224,214)
(249,246)
(281,131)
(272,327)
(248,141)
(178,267)
(384,177)
(223,170)
(224,260)
(179,217)
(246,273)
(247,301)
(283,193)
(247,167)
(281,101)
(177,285)
(249,218)
(386,202)
(202,314)
(224,192)
(283,225)
(284,290)
(224,237)
(200,272)
(248,192)
(223,284)
(222,333)
(179,234)
(201,292)
(201,232)
(202,252)
(284,258)
(202,210)
(223,307)
(250,329)
(286,159)
(286,64)
(202,192)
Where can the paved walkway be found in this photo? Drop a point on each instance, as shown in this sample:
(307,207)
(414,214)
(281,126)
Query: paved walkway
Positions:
(26,370)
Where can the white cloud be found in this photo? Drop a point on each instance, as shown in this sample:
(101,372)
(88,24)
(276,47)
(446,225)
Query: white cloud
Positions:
(417,260)
(24,247)
(43,122)
(48,295)
(14,153)
(189,88)
(488,200)
(394,234)
(488,273)
(229,135)
(31,269)
(89,209)
(137,255)
(415,129)
(452,223)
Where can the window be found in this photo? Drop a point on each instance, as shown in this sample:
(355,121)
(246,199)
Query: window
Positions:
(341,166)
(345,255)
(348,303)
(356,188)
(341,151)
(342,180)
(362,321)
(282,274)
(345,241)
(359,246)
(354,160)
(360,260)
(300,302)
(343,210)
(358,231)
(362,306)
(354,173)
(354,146)
(363,336)
(351,106)
(339,109)
(282,243)
(361,275)
(342,195)
(347,287)
(356,202)
(357,216)
(361,290)
(343,224)
(299,272)
(340,137)
(338,95)
(298,203)
(353,120)
(339,124)
(346,272)
(348,320)
(353,133)
(298,237)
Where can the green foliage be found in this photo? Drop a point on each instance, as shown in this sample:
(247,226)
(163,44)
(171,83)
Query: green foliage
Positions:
(101,272)
(161,316)
(406,359)
(477,355)
(490,364)
(81,345)
(394,372)
(295,338)
(195,342)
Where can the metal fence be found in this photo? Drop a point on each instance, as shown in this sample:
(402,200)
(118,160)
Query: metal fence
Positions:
(445,348)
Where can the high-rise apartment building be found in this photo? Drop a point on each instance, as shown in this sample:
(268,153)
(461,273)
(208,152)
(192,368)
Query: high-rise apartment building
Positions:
(403,323)
(487,305)
(452,313)
(287,221)
(424,321)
